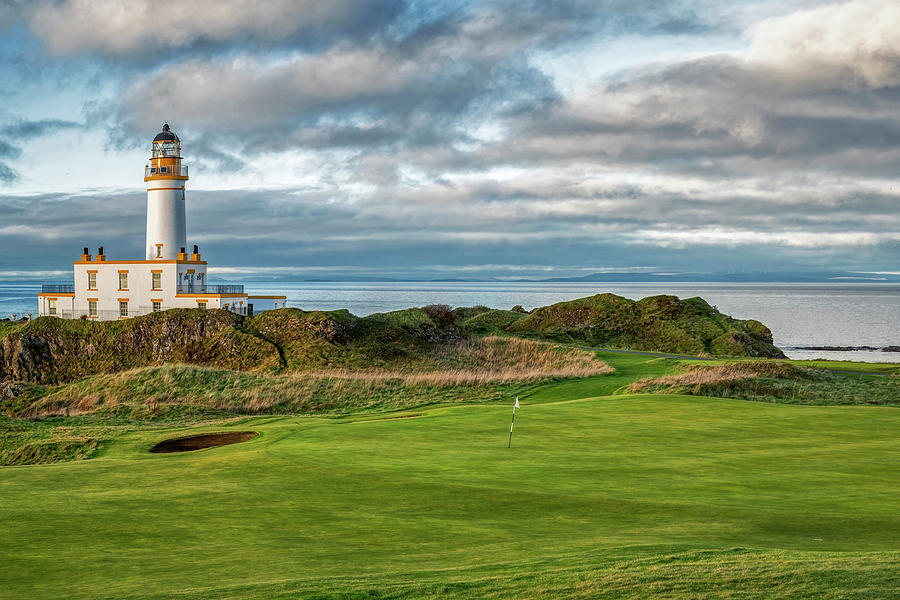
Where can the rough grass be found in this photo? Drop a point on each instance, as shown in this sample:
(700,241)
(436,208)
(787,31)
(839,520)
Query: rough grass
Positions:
(775,382)
(477,370)
(28,444)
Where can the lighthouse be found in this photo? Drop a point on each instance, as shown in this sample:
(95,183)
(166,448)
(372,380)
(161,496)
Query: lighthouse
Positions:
(169,276)
(166,178)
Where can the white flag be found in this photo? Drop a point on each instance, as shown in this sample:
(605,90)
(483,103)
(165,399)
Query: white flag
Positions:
(517,402)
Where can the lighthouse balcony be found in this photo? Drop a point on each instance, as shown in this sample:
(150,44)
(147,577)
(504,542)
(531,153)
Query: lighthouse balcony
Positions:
(169,171)
(197,288)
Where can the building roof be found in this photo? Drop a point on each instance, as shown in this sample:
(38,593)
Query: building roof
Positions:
(166,135)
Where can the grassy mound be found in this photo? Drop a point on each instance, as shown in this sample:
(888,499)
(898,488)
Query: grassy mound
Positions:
(48,451)
(492,322)
(657,323)
(774,382)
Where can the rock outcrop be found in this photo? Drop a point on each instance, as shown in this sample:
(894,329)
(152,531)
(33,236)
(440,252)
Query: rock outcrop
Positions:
(657,323)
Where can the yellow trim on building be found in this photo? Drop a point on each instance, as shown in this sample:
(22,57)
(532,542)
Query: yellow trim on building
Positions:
(267,297)
(141,262)
(167,176)
(55,295)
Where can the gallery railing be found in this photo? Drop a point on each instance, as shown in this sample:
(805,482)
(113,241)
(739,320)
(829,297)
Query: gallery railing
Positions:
(58,288)
(161,171)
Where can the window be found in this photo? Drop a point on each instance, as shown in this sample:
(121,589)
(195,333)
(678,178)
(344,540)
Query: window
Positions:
(157,306)
(92,308)
(51,306)
(123,308)
(164,169)
(157,281)
(201,304)
(92,281)
(123,281)
(158,251)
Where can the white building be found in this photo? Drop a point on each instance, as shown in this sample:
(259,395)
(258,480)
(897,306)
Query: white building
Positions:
(168,277)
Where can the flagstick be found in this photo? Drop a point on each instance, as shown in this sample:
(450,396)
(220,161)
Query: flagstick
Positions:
(513,422)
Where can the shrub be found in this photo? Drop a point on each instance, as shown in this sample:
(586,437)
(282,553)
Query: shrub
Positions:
(440,313)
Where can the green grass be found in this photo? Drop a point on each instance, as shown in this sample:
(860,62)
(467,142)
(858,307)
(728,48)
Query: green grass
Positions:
(846,365)
(617,496)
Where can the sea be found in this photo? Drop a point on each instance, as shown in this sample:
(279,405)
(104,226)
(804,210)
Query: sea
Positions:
(799,315)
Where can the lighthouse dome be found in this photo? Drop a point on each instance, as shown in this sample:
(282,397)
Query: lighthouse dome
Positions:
(166,135)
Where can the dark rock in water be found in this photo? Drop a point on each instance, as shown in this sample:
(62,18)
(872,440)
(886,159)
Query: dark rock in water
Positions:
(891,349)
(839,348)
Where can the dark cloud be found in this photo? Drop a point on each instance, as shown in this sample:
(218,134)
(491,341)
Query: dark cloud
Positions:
(430,72)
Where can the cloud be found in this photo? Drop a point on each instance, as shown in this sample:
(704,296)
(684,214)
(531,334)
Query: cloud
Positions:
(144,28)
(848,44)
(428,78)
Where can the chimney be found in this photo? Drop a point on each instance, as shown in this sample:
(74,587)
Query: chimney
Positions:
(196,254)
(182,255)
(85,255)
(100,255)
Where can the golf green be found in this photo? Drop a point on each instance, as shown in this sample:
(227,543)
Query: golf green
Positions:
(436,505)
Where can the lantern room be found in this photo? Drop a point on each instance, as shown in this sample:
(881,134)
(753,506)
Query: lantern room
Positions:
(165,157)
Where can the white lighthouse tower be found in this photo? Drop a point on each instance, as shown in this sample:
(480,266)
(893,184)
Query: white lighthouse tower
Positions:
(166,178)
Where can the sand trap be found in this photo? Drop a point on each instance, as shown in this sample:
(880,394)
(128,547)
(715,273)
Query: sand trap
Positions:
(206,440)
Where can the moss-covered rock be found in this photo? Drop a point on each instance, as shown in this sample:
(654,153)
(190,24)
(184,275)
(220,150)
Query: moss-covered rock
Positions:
(657,323)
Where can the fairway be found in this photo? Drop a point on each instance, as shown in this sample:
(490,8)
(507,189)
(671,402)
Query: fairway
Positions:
(435,505)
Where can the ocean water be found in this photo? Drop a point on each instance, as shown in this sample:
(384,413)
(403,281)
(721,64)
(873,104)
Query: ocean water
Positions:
(797,314)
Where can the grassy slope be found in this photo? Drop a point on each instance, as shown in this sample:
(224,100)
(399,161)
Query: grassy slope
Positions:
(775,381)
(629,495)
(846,365)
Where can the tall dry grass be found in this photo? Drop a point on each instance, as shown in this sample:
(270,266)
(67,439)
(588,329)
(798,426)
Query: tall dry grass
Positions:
(702,375)
(484,361)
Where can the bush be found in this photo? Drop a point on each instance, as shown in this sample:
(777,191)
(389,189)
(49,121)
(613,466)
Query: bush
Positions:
(440,313)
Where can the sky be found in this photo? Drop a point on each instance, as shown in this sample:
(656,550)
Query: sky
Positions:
(476,139)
